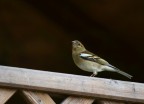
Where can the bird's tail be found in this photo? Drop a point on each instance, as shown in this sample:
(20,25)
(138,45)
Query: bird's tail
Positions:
(121,72)
(124,73)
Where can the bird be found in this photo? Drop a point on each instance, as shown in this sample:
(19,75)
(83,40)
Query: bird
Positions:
(90,62)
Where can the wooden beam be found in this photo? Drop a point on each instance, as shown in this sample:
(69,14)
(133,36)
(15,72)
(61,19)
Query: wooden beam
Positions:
(78,100)
(110,102)
(71,84)
(34,97)
(5,94)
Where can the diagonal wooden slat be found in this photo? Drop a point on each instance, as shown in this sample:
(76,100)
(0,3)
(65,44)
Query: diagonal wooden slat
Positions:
(34,97)
(71,84)
(5,94)
(78,100)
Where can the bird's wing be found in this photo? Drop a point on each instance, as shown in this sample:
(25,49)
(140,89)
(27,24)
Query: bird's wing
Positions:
(92,57)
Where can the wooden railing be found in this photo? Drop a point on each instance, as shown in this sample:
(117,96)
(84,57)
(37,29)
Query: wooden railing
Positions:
(81,89)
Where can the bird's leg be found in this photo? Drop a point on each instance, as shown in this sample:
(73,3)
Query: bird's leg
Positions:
(94,74)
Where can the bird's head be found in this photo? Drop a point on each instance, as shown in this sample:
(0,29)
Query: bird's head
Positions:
(77,46)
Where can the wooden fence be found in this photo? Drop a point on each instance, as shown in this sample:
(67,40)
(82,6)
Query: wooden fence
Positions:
(35,86)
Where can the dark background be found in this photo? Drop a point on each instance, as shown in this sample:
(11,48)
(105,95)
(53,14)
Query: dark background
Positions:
(37,34)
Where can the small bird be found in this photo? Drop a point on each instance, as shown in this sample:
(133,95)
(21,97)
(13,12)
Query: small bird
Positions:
(90,62)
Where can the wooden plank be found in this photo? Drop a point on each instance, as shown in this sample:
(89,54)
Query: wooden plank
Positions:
(34,97)
(71,84)
(78,100)
(110,102)
(5,94)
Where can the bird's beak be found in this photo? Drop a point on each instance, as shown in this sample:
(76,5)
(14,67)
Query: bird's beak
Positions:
(74,41)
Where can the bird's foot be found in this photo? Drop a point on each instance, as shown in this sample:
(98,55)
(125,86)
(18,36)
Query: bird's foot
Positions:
(93,75)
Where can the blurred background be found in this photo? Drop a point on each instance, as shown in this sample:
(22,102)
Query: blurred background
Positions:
(37,34)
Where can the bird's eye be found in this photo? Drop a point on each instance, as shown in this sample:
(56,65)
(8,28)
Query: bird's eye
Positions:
(79,45)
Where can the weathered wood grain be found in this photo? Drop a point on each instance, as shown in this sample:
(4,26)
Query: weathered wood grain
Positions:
(71,84)
(5,94)
(34,97)
(110,102)
(78,100)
